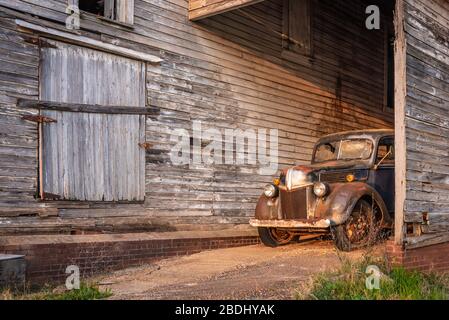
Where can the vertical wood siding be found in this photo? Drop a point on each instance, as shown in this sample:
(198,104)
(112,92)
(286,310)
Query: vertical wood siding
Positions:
(73,74)
(427,113)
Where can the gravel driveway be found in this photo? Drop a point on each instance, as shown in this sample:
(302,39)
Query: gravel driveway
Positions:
(253,272)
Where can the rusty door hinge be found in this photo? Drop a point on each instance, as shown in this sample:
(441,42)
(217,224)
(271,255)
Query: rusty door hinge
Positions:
(39,119)
(146,145)
(50,196)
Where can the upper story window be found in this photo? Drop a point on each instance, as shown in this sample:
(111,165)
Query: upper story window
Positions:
(95,7)
(118,10)
(297,26)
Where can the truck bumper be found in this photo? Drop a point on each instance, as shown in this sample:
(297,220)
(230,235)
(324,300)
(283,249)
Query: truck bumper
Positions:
(292,224)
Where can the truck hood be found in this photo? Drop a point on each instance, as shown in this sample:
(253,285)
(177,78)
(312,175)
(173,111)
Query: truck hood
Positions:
(330,165)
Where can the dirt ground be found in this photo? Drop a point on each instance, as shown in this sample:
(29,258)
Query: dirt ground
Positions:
(253,272)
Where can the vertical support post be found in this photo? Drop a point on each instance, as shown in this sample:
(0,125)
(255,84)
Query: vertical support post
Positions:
(400,58)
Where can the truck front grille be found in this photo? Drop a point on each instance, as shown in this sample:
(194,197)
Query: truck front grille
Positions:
(294,204)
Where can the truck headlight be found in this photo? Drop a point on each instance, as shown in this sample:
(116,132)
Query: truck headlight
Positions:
(270,191)
(321,189)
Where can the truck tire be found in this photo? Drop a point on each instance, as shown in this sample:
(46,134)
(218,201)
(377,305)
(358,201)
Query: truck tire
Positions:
(272,237)
(360,230)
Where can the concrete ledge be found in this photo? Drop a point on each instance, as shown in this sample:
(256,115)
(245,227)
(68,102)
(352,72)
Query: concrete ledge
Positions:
(51,239)
(48,256)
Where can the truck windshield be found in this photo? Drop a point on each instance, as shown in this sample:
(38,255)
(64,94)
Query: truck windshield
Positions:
(353,149)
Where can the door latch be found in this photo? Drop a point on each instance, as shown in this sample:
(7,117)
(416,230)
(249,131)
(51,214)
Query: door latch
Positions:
(39,119)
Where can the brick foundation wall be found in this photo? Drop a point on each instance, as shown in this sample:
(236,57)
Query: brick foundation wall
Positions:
(429,258)
(47,257)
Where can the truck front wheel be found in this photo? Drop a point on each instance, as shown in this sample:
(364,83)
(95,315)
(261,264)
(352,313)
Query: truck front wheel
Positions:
(361,229)
(273,237)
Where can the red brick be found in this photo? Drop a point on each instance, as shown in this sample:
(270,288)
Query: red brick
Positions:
(428,258)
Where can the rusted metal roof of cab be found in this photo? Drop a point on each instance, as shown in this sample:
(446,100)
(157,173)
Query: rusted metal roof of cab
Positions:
(372,133)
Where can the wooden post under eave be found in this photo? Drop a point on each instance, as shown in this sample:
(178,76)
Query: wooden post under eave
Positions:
(400,59)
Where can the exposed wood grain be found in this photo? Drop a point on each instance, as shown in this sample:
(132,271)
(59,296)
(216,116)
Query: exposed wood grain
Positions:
(86,108)
(74,74)
(77,159)
(400,134)
(125,11)
(426,240)
(426,119)
(76,39)
(109,9)
(200,9)
(79,149)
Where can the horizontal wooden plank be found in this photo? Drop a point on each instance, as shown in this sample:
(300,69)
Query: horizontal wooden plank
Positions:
(24,211)
(427,121)
(200,9)
(426,240)
(91,43)
(85,108)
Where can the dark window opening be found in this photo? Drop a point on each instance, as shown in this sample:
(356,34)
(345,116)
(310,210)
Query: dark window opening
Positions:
(121,11)
(297,26)
(93,6)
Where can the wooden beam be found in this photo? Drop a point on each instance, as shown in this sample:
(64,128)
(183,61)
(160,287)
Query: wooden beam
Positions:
(73,107)
(400,56)
(18,211)
(200,9)
(426,240)
(87,42)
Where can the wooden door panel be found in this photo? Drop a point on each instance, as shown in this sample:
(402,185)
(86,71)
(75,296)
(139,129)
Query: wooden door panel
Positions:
(74,74)
(93,157)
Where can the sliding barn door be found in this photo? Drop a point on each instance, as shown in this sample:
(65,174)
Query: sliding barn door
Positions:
(92,156)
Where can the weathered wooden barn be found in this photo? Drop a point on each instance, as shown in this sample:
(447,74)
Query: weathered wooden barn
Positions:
(87,114)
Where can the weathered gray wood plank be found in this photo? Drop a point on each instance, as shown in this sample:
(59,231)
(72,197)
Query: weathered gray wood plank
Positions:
(73,74)
(427,120)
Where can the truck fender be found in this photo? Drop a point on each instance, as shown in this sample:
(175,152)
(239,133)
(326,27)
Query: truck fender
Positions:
(268,209)
(343,197)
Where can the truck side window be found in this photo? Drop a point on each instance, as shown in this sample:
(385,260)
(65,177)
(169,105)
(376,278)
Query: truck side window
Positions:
(386,144)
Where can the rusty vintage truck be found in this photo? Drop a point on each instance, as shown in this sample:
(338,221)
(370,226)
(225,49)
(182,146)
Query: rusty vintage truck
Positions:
(347,191)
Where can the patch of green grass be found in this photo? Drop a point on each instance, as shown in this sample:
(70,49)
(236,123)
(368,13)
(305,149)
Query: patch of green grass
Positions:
(349,283)
(85,292)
